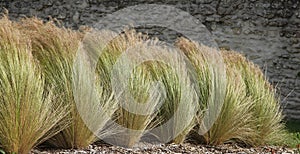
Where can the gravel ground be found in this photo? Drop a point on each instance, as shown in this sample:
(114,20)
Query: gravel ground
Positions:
(171,148)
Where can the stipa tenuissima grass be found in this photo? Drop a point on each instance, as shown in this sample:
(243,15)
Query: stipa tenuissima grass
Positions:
(28,115)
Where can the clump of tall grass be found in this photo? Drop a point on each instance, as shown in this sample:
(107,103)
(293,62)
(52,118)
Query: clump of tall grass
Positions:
(211,83)
(235,122)
(250,113)
(55,49)
(130,118)
(233,98)
(138,46)
(179,106)
(28,115)
(266,112)
(131,125)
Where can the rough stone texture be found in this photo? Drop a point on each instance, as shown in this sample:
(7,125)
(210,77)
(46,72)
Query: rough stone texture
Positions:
(266,31)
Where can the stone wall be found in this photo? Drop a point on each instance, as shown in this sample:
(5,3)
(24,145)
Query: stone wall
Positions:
(266,31)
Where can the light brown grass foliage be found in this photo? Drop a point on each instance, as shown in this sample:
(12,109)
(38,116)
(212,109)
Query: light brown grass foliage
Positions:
(235,122)
(28,115)
(210,80)
(250,113)
(131,125)
(38,74)
(267,115)
(55,50)
(176,114)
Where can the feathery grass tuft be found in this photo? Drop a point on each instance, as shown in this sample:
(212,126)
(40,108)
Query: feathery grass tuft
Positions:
(55,49)
(44,88)
(28,115)
(267,115)
(132,125)
(250,112)
(211,83)
(176,115)
(235,122)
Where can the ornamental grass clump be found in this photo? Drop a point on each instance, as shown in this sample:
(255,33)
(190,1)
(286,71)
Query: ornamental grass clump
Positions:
(55,50)
(235,122)
(266,112)
(28,113)
(135,47)
(250,113)
(132,90)
(178,108)
(210,80)
(135,119)
(68,87)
